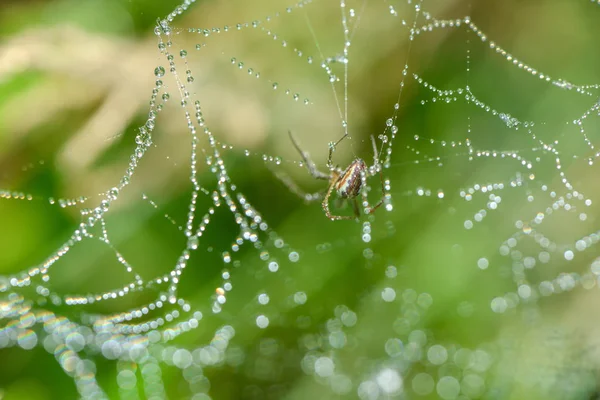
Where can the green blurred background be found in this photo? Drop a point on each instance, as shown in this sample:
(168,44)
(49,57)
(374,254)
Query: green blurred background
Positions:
(75,82)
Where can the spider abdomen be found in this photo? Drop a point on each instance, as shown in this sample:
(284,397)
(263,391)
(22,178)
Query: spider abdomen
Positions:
(350,181)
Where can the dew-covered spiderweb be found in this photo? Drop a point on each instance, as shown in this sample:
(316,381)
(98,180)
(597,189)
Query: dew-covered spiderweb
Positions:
(158,234)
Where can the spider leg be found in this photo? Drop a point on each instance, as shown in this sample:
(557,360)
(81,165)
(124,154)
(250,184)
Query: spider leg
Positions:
(294,188)
(368,208)
(344,136)
(309,164)
(376,206)
(329,157)
(332,147)
(375,154)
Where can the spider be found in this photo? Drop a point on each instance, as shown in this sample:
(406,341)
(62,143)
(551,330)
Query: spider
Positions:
(348,183)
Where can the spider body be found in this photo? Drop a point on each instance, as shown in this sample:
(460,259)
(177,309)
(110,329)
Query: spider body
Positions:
(347,183)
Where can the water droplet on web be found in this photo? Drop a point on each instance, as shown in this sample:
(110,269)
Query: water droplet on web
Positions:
(300,298)
(263,298)
(262,321)
(499,305)
(437,354)
(448,388)
(483,263)
(422,384)
(27,339)
(324,366)
(150,125)
(337,339)
(388,294)
(389,381)
(126,380)
(226,257)
(368,390)
(273,266)
(391,271)
(182,358)
(193,243)
(394,347)
(159,72)
(294,256)
(569,255)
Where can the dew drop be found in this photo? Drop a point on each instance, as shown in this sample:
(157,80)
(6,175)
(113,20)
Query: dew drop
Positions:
(294,256)
(262,321)
(159,72)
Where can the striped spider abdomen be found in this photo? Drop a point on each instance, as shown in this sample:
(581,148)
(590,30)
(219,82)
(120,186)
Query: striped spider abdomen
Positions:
(349,182)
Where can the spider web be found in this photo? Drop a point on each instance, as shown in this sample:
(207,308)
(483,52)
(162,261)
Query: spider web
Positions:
(181,265)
